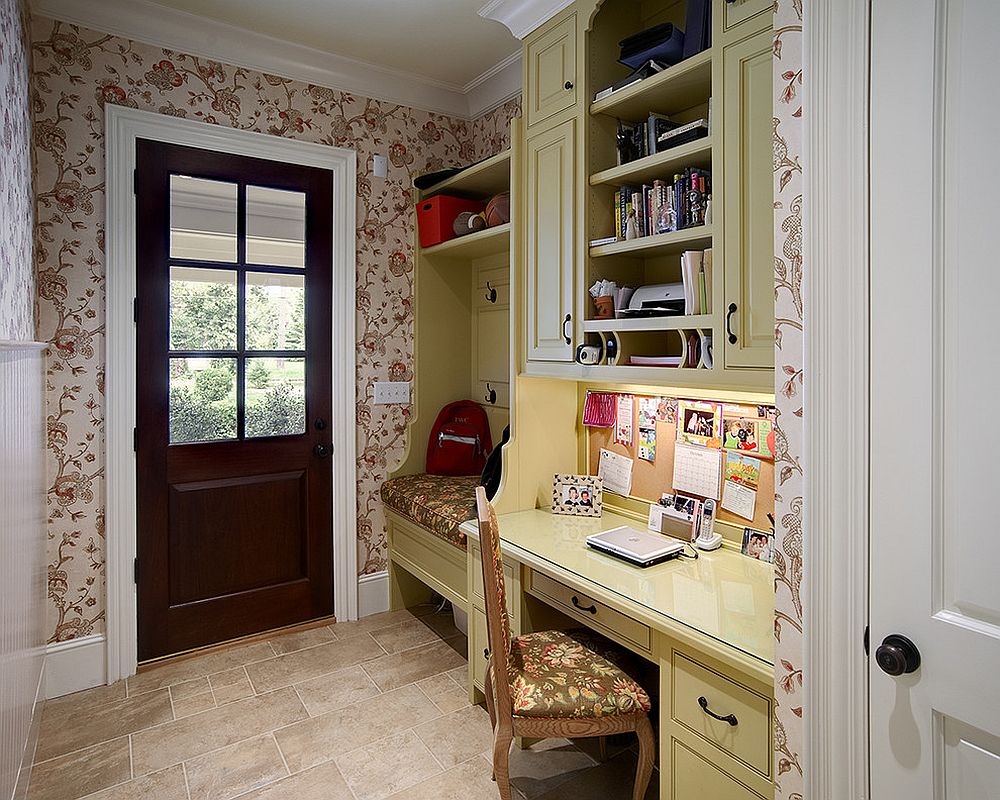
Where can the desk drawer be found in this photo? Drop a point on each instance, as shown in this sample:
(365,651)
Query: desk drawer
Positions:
(749,741)
(591,612)
(692,777)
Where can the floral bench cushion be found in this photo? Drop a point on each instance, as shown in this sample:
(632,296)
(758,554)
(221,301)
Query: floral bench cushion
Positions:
(572,674)
(439,503)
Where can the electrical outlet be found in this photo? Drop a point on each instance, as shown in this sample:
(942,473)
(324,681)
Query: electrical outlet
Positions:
(392,392)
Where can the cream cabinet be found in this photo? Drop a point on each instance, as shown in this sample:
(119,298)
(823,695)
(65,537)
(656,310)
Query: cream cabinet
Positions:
(755,14)
(550,239)
(550,58)
(491,345)
(747,191)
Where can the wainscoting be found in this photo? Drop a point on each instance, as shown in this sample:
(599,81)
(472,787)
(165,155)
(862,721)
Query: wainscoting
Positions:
(22,556)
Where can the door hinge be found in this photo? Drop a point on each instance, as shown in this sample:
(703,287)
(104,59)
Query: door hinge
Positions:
(135,309)
(135,571)
(866,640)
(135,182)
(135,440)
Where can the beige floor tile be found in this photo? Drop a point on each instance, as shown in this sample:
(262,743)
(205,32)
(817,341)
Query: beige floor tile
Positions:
(307,664)
(322,738)
(399,669)
(459,736)
(80,773)
(91,698)
(442,623)
(336,690)
(468,781)
(382,768)
(198,666)
(179,691)
(375,622)
(68,728)
(319,783)
(546,765)
(300,640)
(189,706)
(444,692)
(404,636)
(167,784)
(613,778)
(234,770)
(169,744)
(460,675)
(231,685)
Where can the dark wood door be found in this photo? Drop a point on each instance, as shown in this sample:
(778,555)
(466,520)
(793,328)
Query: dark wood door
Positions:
(233,396)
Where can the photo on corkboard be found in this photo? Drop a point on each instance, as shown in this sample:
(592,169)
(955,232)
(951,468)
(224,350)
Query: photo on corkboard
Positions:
(699,423)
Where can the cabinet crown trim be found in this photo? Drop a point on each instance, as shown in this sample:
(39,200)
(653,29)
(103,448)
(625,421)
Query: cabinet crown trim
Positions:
(521,17)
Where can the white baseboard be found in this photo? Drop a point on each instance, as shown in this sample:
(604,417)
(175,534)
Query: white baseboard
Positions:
(75,665)
(373,594)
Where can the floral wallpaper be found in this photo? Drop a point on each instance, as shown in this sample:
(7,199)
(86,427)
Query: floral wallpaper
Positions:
(76,72)
(790,383)
(17,292)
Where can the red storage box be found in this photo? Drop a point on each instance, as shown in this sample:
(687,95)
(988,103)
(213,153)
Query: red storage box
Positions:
(436,216)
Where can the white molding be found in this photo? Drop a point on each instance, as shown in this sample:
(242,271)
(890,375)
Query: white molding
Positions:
(75,665)
(123,127)
(835,227)
(496,85)
(373,594)
(158,25)
(521,17)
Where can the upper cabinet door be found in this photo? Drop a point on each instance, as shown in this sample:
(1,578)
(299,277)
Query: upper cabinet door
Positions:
(549,235)
(748,202)
(755,14)
(551,71)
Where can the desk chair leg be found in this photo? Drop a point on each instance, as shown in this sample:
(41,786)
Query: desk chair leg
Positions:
(501,761)
(647,753)
(602,748)
(488,691)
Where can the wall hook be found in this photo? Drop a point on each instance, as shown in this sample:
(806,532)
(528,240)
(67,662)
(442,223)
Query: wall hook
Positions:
(491,293)
(491,395)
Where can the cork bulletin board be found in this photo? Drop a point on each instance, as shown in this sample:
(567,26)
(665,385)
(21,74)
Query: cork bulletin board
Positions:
(651,479)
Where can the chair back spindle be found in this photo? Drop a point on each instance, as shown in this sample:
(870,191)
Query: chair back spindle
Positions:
(495,592)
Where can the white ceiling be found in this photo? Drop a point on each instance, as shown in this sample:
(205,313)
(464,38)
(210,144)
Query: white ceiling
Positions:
(444,41)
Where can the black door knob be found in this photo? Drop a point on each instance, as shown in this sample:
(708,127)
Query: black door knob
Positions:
(321,450)
(568,85)
(897,655)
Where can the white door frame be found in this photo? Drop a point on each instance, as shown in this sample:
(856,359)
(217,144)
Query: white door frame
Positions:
(836,249)
(123,127)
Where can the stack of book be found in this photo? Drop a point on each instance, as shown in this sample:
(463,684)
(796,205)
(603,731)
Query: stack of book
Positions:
(664,206)
(637,140)
(696,275)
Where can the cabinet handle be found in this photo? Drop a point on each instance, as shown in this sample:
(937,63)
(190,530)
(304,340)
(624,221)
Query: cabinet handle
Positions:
(729,331)
(730,718)
(591,609)
(491,395)
(491,293)
(566,336)
(568,85)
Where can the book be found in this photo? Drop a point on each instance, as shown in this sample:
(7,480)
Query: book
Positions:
(681,134)
(706,265)
(645,70)
(605,240)
(691,261)
(656,126)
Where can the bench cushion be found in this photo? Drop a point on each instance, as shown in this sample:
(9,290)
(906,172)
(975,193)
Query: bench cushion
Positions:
(439,503)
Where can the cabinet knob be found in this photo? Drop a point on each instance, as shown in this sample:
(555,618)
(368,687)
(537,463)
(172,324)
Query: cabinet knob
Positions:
(568,85)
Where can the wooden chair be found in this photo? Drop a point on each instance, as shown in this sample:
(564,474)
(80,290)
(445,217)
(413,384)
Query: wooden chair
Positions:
(553,684)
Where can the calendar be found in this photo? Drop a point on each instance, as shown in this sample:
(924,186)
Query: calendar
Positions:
(697,470)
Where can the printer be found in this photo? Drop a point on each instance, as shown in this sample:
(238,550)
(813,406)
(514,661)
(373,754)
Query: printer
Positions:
(655,300)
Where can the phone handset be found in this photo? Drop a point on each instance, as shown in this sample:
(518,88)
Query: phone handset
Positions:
(708,539)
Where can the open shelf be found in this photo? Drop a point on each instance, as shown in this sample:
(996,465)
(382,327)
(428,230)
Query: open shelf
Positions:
(481,180)
(679,87)
(649,323)
(659,166)
(699,238)
(487,242)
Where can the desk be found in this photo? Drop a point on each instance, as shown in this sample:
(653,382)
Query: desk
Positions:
(706,624)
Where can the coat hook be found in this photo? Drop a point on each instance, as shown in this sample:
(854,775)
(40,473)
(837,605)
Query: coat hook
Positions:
(491,293)
(491,394)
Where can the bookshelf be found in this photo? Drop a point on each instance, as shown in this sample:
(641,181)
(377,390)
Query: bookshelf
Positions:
(693,154)
(675,89)
(487,242)
(697,238)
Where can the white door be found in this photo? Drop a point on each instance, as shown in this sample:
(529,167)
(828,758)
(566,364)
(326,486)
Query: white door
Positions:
(935,413)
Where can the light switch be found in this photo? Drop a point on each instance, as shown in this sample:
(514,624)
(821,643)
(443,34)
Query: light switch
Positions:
(392,392)
(380,166)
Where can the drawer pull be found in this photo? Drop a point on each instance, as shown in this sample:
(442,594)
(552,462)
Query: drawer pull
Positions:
(591,609)
(730,718)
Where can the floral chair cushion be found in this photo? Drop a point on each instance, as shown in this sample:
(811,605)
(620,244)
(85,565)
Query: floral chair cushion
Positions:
(572,674)
(439,503)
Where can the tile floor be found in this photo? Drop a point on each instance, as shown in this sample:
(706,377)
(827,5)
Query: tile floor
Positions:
(353,711)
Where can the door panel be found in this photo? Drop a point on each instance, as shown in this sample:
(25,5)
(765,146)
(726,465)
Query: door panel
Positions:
(234,336)
(552,71)
(551,182)
(754,14)
(934,284)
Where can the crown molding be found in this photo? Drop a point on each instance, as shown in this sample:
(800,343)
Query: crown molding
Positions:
(150,23)
(521,17)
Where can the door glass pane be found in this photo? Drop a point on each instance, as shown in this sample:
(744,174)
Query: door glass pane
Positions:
(202,399)
(275,396)
(202,309)
(276,311)
(202,219)
(276,227)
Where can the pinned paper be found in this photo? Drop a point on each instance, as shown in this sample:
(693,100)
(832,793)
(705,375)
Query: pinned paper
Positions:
(623,422)
(647,411)
(697,470)
(616,472)
(666,409)
(747,429)
(647,428)
(739,490)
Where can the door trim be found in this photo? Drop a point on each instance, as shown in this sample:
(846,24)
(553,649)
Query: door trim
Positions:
(123,127)
(836,335)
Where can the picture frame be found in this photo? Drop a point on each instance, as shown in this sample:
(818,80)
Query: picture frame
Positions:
(577,495)
(758,544)
(699,423)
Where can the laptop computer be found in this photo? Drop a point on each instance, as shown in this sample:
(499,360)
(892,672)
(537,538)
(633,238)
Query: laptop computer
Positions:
(637,547)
